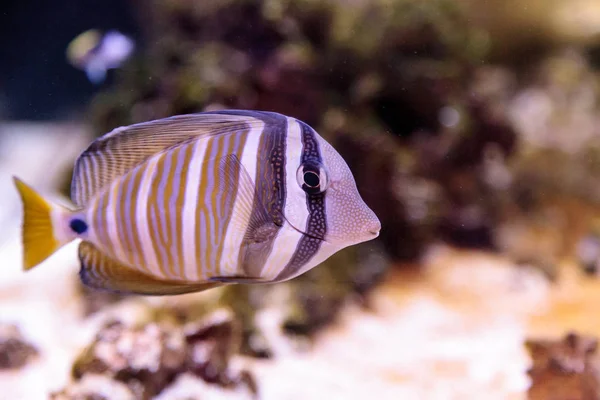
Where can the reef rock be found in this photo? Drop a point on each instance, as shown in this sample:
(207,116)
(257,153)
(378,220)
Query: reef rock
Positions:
(565,369)
(15,351)
(148,358)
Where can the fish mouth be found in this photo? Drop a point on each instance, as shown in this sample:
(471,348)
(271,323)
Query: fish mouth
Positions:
(302,232)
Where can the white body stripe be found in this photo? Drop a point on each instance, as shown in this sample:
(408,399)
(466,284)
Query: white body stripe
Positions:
(190,204)
(284,248)
(235,235)
(296,207)
(143,224)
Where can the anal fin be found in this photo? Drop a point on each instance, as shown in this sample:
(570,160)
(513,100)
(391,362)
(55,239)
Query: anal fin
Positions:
(99,271)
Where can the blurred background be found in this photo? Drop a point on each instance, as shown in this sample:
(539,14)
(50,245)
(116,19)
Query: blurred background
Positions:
(472,129)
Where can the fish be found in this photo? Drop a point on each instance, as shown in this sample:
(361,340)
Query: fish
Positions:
(196,201)
(95,52)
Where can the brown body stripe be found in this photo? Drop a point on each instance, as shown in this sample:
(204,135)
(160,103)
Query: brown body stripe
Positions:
(166,214)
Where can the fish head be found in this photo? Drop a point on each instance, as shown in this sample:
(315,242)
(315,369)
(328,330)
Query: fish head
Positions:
(325,191)
(349,219)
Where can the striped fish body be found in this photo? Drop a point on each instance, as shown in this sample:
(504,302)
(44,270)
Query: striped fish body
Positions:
(169,217)
(192,202)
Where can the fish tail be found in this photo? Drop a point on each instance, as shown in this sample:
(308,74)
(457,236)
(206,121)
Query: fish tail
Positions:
(44,226)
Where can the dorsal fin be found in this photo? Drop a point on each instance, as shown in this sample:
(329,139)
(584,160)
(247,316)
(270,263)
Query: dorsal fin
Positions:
(120,150)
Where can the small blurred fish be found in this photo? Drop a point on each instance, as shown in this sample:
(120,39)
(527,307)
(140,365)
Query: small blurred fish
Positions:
(96,53)
(191,202)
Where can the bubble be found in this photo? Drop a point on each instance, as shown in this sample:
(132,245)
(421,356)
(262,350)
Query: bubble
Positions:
(449,116)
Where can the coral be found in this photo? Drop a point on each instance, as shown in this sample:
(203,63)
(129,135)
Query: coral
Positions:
(566,368)
(211,343)
(146,359)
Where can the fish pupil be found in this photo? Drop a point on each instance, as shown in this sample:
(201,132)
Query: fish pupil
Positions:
(78,226)
(311,179)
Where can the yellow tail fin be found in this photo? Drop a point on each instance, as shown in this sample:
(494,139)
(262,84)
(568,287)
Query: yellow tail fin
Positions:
(40,239)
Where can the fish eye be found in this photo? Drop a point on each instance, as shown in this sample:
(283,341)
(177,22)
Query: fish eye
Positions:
(312,177)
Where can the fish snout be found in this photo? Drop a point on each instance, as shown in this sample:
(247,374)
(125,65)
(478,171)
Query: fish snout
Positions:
(374,226)
(353,223)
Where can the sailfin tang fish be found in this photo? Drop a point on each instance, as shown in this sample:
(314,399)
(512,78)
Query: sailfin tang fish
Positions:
(192,202)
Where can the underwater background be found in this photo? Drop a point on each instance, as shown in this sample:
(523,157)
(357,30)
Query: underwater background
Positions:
(472,129)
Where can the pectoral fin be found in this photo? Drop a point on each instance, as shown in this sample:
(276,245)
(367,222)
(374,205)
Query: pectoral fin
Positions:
(102,272)
(252,218)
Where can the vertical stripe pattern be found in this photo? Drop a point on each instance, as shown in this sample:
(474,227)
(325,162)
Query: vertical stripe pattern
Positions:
(270,181)
(316,224)
(236,230)
(295,206)
(168,217)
